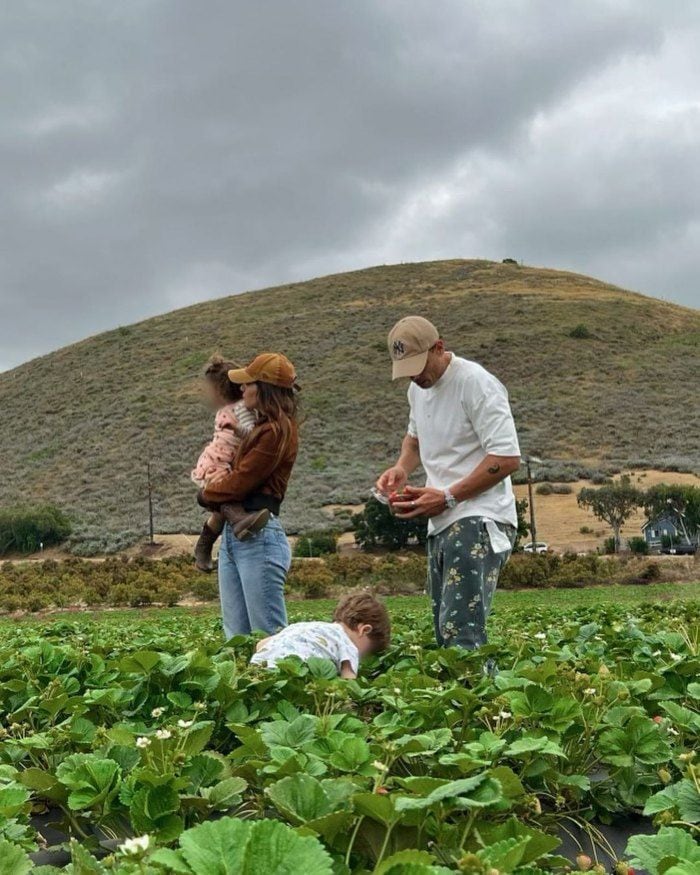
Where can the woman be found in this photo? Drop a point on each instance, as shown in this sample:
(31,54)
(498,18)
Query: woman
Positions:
(252,572)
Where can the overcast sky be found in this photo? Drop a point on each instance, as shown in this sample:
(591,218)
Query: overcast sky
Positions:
(154,153)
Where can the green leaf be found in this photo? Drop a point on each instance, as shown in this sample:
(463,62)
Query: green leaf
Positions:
(13,798)
(322,668)
(529,744)
(83,863)
(506,854)
(683,796)
(300,798)
(280,733)
(379,808)
(409,863)
(354,754)
(647,851)
(226,794)
(235,847)
(479,791)
(171,861)
(141,662)
(197,737)
(90,779)
(13,859)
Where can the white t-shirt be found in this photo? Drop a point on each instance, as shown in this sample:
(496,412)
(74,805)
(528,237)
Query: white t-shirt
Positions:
(326,640)
(460,420)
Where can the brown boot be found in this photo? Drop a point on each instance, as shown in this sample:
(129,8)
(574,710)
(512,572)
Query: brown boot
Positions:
(204,546)
(248,524)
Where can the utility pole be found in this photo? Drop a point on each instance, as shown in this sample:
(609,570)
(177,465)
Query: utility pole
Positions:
(533,529)
(151,532)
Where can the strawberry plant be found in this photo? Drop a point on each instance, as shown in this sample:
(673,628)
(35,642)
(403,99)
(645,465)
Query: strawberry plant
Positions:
(155,748)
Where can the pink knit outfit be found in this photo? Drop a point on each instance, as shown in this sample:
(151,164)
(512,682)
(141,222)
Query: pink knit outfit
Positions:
(230,425)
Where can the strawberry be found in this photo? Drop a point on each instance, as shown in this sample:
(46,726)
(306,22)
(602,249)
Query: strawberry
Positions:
(381,791)
(584,862)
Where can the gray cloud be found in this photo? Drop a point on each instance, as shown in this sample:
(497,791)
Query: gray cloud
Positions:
(158,152)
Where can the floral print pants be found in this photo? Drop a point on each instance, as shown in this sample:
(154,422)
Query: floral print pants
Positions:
(463,571)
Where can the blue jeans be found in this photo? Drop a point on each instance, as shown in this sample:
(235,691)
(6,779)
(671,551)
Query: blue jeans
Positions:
(251,580)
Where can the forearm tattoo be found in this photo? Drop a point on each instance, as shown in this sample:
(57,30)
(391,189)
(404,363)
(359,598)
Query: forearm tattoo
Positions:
(494,469)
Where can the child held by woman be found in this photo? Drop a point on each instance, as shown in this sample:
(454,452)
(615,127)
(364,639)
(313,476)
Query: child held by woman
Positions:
(232,423)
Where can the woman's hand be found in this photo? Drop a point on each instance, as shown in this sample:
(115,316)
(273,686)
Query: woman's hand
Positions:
(419,501)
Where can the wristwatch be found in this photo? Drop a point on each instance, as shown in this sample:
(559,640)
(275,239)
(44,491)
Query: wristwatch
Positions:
(450,500)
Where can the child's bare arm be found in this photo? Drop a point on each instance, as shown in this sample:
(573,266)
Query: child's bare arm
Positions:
(263,641)
(346,671)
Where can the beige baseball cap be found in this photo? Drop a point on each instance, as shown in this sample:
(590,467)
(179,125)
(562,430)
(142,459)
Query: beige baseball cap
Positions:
(409,342)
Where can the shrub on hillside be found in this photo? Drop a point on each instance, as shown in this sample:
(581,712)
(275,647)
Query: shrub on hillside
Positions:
(24,530)
(544,489)
(581,332)
(316,544)
(561,489)
(376,526)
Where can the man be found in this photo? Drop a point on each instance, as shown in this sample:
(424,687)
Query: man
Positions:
(461,430)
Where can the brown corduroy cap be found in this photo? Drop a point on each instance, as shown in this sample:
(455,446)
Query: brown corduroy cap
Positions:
(268,367)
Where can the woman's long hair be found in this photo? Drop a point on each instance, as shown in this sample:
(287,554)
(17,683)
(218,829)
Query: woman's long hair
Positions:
(279,407)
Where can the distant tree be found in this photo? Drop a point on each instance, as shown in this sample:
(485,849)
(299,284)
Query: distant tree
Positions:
(27,529)
(613,504)
(674,498)
(509,261)
(376,526)
(523,531)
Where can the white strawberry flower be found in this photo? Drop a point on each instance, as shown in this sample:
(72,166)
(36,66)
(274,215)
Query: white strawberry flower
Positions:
(163,734)
(541,636)
(137,845)
(505,715)
(591,691)
(185,724)
(142,741)
(157,712)
(379,766)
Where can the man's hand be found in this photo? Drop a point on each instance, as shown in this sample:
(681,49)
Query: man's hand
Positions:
(419,501)
(392,480)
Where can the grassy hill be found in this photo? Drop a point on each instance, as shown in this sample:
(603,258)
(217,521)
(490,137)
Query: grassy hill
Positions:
(79,425)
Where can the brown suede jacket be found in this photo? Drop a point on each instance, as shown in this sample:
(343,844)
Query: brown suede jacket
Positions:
(257,468)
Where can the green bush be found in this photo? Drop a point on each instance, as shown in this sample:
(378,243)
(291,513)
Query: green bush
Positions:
(24,530)
(586,530)
(376,526)
(581,332)
(609,546)
(544,489)
(310,578)
(638,546)
(314,544)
